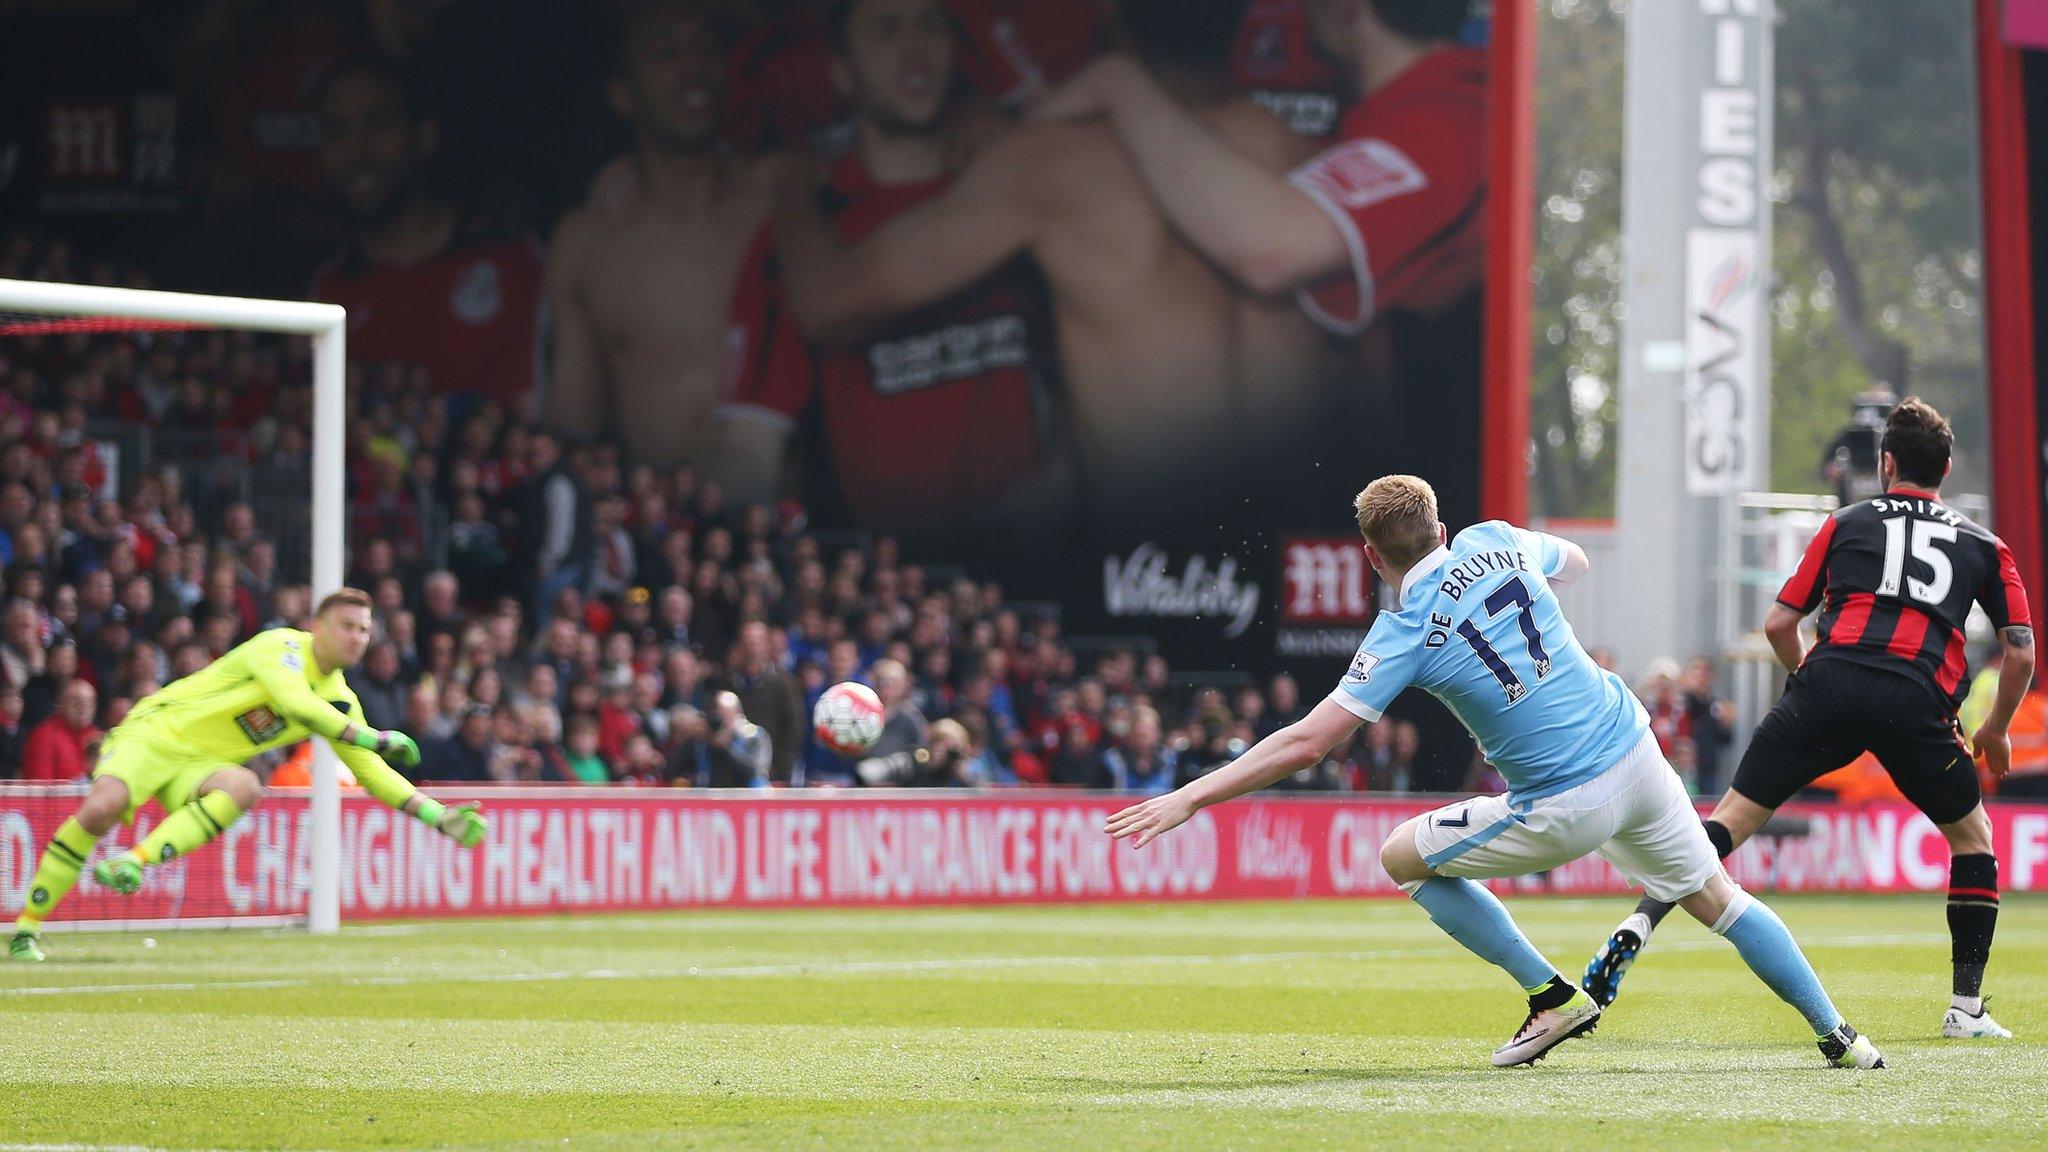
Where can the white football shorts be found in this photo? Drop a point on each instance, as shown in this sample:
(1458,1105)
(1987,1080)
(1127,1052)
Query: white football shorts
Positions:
(1636,814)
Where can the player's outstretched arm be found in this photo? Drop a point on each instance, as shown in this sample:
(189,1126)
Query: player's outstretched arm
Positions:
(2015,676)
(1273,759)
(463,823)
(1268,234)
(842,292)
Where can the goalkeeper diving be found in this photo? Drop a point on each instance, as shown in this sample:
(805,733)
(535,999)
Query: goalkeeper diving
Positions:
(186,747)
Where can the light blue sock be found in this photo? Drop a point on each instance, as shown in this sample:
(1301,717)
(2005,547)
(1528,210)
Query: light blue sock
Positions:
(1767,947)
(1477,919)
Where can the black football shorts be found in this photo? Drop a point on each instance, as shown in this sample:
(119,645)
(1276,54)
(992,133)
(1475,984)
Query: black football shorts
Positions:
(1834,711)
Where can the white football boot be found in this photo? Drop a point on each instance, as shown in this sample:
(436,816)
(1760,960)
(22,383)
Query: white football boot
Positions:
(1959,1024)
(1546,1028)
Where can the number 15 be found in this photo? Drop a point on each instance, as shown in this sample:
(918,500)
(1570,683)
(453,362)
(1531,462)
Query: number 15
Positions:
(1924,534)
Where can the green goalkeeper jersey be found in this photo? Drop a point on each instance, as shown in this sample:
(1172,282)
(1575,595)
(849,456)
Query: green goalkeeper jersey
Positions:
(267,693)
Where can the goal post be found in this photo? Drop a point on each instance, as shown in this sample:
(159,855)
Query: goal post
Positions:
(327,326)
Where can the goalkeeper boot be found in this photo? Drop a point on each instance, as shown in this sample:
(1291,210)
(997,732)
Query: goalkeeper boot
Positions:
(1602,980)
(1546,1028)
(23,947)
(1843,1048)
(1958,1023)
(121,873)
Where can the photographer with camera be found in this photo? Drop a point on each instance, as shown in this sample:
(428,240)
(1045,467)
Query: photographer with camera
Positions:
(736,751)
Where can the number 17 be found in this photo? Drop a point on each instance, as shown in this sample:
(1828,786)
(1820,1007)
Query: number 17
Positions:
(1514,592)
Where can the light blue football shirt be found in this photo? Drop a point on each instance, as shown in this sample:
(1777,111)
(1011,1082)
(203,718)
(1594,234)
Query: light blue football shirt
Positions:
(1479,629)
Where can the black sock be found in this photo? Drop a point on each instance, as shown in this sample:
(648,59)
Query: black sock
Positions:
(1554,995)
(1724,843)
(1655,909)
(1972,917)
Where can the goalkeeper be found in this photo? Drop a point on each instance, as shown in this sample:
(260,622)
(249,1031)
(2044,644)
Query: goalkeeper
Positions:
(185,746)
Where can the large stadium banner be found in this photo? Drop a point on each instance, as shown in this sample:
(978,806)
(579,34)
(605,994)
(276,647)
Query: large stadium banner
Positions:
(562,851)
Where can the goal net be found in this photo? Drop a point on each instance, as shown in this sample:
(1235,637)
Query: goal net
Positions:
(282,863)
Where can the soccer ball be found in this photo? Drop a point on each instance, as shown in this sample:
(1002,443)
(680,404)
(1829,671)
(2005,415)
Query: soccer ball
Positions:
(848,719)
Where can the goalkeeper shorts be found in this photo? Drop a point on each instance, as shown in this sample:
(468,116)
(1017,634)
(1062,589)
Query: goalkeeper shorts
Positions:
(170,776)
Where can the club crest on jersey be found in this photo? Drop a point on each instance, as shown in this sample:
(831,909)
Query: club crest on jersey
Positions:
(260,724)
(1362,666)
(1361,173)
(478,296)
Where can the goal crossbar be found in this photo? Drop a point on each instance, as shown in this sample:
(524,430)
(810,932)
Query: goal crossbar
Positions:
(327,324)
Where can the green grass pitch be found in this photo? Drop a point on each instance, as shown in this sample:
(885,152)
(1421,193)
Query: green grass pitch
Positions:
(1284,1026)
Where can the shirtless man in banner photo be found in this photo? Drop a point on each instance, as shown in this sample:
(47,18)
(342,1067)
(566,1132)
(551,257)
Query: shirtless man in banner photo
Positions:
(640,278)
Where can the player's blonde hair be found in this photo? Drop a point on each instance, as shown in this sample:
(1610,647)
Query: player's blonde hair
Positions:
(344,598)
(1397,515)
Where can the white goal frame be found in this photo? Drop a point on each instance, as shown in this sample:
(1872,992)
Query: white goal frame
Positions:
(327,324)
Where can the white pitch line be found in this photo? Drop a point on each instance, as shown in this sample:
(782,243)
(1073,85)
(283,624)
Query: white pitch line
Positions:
(104,1148)
(849,967)
(814,968)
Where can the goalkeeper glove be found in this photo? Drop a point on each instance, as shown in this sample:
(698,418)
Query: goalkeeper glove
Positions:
(463,823)
(394,746)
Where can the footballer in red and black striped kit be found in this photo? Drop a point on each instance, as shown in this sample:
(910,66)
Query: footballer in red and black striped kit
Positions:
(1894,578)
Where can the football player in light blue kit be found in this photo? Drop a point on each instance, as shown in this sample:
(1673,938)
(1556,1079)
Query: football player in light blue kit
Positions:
(1478,626)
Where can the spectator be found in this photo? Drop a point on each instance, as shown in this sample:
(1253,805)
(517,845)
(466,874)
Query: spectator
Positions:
(736,752)
(476,548)
(64,746)
(1075,758)
(616,720)
(1404,768)
(1685,760)
(1483,778)
(1382,773)
(379,689)
(903,748)
(13,733)
(1709,723)
(614,566)
(1285,708)
(949,765)
(585,762)
(466,755)
(554,518)
(1143,765)
(1659,694)
(770,698)
(423,714)
(685,753)
(21,642)
(39,697)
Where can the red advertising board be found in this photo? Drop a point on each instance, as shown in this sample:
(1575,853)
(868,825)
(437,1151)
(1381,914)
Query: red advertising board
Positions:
(553,851)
